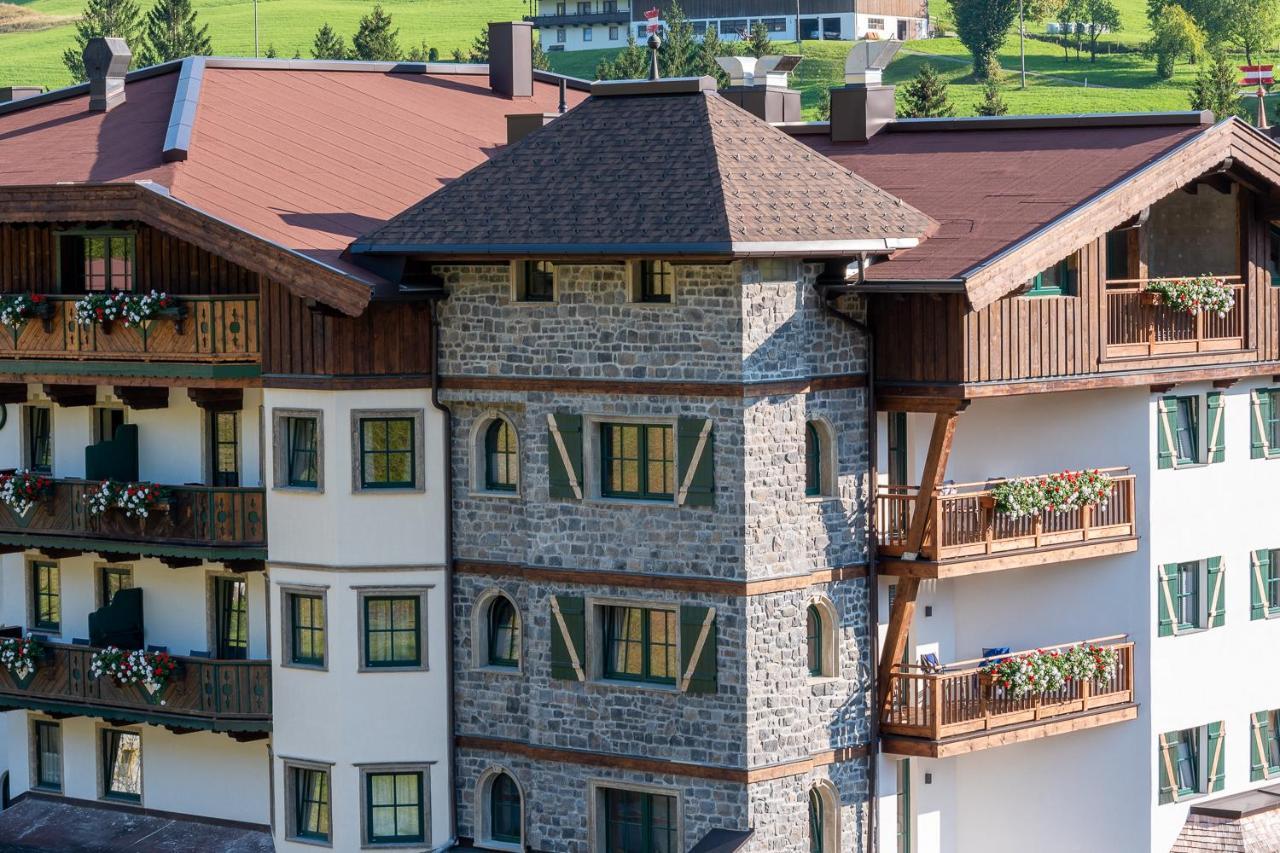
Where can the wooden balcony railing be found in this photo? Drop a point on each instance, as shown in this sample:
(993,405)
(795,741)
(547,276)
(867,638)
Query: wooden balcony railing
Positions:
(200,517)
(960,700)
(213,328)
(966,525)
(221,695)
(1138,329)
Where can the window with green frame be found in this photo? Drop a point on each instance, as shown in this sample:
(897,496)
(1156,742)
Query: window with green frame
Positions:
(310,803)
(112,579)
(1271,581)
(501,458)
(231,626)
(637,461)
(48,755)
(39,438)
(121,765)
(1184,754)
(224,448)
(897,429)
(1060,279)
(639,822)
(306,626)
(302,452)
(813,639)
(1269,409)
(1186,595)
(640,644)
(1273,253)
(504,810)
(394,808)
(1186,430)
(392,630)
(95,261)
(504,633)
(817,822)
(812,460)
(46,596)
(1271,741)
(387,453)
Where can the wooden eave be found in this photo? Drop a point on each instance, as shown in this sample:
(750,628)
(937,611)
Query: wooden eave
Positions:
(151,203)
(157,717)
(978,741)
(962,567)
(1017,264)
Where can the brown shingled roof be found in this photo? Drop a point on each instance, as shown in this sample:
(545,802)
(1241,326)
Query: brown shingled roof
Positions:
(667,172)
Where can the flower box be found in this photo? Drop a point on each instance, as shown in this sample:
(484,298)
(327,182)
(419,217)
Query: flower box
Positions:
(16,309)
(1202,295)
(1067,490)
(987,501)
(1148,299)
(19,656)
(134,310)
(151,671)
(22,489)
(134,500)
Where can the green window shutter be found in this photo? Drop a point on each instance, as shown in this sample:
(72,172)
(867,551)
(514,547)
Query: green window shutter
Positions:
(1258,725)
(1217,592)
(1164,759)
(564,455)
(568,637)
(1166,577)
(698,649)
(1261,566)
(1217,757)
(1217,427)
(695,456)
(1166,422)
(1260,409)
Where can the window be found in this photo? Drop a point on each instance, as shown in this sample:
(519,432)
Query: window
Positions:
(1271,580)
(501,458)
(640,644)
(306,629)
(812,461)
(775,25)
(121,765)
(560,36)
(504,810)
(394,808)
(1268,725)
(38,429)
(1187,430)
(560,8)
(1059,280)
(309,818)
(386,453)
(587,32)
(638,822)
(47,737)
(700,28)
(392,630)
(613,33)
(1186,595)
(897,448)
(817,821)
(821,638)
(1268,405)
(112,579)
(106,420)
(298,449)
(46,597)
(831,29)
(584,8)
(224,448)
(637,461)
(1185,755)
(608,7)
(656,281)
(813,639)
(734,26)
(503,634)
(809,29)
(1118,255)
(875,23)
(231,619)
(904,806)
(535,281)
(95,263)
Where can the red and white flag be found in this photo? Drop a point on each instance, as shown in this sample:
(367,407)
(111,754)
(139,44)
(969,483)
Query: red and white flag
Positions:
(1257,75)
(651,20)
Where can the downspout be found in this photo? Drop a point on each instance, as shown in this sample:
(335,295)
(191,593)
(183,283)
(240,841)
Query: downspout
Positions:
(434,313)
(831,284)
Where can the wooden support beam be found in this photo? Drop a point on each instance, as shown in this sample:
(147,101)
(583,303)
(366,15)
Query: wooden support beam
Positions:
(61,553)
(243,566)
(895,640)
(181,562)
(72,395)
(1225,383)
(1162,388)
(13,392)
(12,549)
(143,396)
(247,737)
(217,399)
(120,556)
(180,730)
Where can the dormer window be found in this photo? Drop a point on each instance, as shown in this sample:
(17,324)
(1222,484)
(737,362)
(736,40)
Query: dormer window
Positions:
(1061,279)
(95,262)
(534,281)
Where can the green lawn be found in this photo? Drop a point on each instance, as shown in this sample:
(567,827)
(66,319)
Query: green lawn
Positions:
(34,58)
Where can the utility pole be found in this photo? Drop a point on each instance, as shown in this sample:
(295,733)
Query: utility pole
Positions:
(1022,40)
(797,26)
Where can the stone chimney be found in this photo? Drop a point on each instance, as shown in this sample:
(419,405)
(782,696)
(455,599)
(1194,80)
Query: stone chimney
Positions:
(511,59)
(105,62)
(864,105)
(18,93)
(759,86)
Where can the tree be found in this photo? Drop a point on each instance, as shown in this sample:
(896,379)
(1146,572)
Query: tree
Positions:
(983,26)
(328,44)
(541,61)
(631,63)
(119,18)
(374,40)
(824,105)
(172,33)
(992,103)
(1102,16)
(1215,87)
(459,56)
(419,52)
(1069,15)
(1175,34)
(711,48)
(1251,26)
(676,55)
(758,43)
(480,47)
(271,53)
(926,96)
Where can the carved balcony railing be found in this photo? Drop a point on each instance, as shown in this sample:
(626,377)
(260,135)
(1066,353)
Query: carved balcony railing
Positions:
(202,329)
(940,713)
(1137,327)
(965,526)
(219,695)
(199,521)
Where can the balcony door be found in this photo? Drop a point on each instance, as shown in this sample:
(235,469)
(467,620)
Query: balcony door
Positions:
(224,449)
(231,619)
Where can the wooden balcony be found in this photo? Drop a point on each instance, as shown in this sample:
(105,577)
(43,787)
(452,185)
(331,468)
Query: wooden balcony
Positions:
(958,710)
(232,696)
(966,535)
(1138,329)
(198,523)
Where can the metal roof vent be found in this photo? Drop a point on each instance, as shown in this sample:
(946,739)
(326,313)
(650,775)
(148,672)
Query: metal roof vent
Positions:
(750,71)
(106,60)
(868,59)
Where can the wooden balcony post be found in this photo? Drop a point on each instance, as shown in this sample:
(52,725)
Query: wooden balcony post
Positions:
(935,707)
(1086,521)
(1037,528)
(988,528)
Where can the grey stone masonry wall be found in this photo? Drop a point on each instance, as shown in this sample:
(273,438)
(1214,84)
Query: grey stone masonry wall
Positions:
(744,322)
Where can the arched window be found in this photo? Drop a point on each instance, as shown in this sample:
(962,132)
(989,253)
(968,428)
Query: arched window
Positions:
(821,635)
(824,818)
(812,461)
(504,810)
(504,633)
(501,460)
(813,639)
(817,822)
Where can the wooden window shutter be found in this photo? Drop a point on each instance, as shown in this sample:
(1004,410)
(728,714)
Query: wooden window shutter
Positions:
(1217,592)
(698,649)
(1217,757)
(1260,563)
(1217,427)
(564,455)
(568,637)
(1166,422)
(695,456)
(1168,791)
(1259,723)
(1260,404)
(1166,576)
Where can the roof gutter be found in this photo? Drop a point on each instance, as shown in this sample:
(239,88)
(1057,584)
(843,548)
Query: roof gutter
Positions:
(909,285)
(741,249)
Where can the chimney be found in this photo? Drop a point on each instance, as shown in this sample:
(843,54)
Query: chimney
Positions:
(17,93)
(105,62)
(522,124)
(864,105)
(759,86)
(511,59)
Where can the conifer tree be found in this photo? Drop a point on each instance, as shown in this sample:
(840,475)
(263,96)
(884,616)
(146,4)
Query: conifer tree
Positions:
(758,43)
(419,52)
(328,44)
(926,96)
(172,32)
(541,61)
(459,56)
(1216,88)
(119,18)
(480,47)
(824,105)
(676,56)
(711,48)
(992,103)
(631,63)
(374,40)
(271,53)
